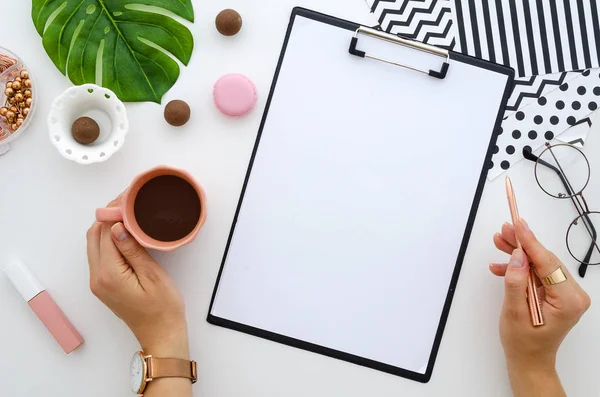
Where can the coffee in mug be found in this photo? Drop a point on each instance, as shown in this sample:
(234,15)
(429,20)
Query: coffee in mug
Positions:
(163,209)
(167,208)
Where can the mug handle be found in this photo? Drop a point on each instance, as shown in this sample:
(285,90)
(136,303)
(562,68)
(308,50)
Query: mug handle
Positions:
(112,214)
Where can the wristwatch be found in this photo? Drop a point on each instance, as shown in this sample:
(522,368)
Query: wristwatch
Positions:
(144,369)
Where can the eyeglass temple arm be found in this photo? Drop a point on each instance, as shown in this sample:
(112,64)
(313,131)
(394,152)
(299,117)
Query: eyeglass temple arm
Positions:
(584,265)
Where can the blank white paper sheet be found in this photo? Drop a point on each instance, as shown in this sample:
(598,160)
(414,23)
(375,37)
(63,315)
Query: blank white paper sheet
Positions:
(352,220)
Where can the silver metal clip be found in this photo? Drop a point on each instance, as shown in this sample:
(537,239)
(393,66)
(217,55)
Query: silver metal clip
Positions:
(404,42)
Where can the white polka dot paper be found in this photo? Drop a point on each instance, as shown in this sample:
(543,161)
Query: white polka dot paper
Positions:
(544,119)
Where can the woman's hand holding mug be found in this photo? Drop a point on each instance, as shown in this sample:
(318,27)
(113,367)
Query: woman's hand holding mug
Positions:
(137,289)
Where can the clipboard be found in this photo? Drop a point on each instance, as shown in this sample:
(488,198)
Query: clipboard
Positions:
(358,203)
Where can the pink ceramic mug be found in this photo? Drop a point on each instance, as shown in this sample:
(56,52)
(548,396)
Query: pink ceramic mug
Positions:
(125,211)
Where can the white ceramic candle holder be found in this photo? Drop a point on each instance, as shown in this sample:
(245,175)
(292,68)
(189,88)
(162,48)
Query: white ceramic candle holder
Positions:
(98,103)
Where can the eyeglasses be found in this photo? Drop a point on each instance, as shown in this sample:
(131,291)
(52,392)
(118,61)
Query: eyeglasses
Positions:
(566,180)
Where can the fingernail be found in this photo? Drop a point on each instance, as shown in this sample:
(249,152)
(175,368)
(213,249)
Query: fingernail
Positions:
(119,232)
(517,259)
(524,224)
(509,226)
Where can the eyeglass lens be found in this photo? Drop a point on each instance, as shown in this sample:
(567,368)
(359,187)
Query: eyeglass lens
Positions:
(562,171)
(582,238)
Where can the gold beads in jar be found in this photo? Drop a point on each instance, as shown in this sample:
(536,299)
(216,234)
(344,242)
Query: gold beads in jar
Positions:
(19,99)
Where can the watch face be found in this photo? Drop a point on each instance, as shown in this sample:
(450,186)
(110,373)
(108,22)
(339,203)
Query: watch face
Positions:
(137,374)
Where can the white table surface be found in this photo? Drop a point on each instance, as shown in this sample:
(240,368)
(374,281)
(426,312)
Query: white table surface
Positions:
(48,204)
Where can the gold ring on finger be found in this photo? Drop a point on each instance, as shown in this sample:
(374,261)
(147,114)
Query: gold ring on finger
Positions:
(556,277)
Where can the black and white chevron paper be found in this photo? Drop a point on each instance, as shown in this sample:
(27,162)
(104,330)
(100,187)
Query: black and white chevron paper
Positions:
(531,88)
(428,21)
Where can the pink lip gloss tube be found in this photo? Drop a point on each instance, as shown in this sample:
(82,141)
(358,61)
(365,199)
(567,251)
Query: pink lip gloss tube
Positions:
(44,306)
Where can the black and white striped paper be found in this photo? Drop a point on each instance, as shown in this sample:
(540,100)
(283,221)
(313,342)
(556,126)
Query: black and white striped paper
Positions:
(532,36)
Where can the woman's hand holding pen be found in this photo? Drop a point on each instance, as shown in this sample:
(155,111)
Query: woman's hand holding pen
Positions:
(531,351)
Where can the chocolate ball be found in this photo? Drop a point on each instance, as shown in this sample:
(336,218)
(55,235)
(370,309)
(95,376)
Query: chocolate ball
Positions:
(85,130)
(177,113)
(229,22)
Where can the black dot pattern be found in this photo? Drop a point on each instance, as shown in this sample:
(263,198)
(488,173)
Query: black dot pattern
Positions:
(543,119)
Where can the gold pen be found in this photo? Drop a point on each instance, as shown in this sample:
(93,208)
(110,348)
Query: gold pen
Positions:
(533,300)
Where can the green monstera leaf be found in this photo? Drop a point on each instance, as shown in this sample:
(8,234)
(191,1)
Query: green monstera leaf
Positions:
(123,45)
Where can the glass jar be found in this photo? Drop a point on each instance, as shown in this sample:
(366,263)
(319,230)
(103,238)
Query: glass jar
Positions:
(14,102)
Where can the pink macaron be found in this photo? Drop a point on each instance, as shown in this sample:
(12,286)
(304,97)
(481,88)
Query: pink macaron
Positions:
(235,95)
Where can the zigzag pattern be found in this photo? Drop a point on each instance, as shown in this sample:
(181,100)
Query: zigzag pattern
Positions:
(405,16)
(429,21)
(531,87)
(390,4)
(577,141)
(426,31)
(415,25)
(587,121)
(376,3)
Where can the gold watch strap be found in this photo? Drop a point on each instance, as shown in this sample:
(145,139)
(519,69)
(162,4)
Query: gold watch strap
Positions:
(171,368)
